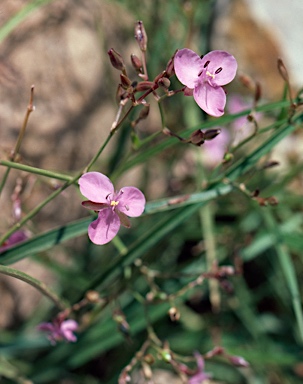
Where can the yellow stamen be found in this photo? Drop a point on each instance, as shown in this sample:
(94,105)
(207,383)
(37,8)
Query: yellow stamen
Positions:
(114,203)
(209,74)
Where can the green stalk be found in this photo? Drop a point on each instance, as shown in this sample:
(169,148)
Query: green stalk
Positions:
(39,285)
(37,171)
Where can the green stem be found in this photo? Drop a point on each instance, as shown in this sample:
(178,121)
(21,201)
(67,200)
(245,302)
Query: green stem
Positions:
(208,233)
(121,247)
(287,268)
(36,284)
(95,158)
(37,171)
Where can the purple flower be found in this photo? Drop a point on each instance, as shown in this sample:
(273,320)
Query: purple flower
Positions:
(200,375)
(205,77)
(113,207)
(59,330)
(15,238)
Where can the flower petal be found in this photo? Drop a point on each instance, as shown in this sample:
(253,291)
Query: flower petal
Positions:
(67,327)
(94,206)
(124,220)
(223,63)
(131,201)
(47,327)
(105,228)
(95,186)
(188,65)
(211,99)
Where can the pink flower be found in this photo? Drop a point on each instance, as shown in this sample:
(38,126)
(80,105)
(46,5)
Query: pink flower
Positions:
(17,237)
(113,207)
(59,330)
(205,77)
(200,376)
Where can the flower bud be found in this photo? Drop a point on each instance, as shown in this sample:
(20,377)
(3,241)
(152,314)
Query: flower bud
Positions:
(159,76)
(197,137)
(121,94)
(164,82)
(238,361)
(216,351)
(166,355)
(125,81)
(211,134)
(227,157)
(272,200)
(174,314)
(116,60)
(270,164)
(149,359)
(92,296)
(144,112)
(144,86)
(170,70)
(136,63)
(140,35)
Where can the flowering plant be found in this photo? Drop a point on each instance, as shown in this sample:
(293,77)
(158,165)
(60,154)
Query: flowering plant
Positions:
(214,215)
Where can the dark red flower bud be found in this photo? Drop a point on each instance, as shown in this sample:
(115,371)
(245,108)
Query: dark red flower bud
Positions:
(136,62)
(116,59)
(164,82)
(144,86)
(211,134)
(125,81)
(170,70)
(197,137)
(140,35)
(144,112)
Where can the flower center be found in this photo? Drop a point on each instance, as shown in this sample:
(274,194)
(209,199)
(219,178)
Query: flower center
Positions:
(210,74)
(114,203)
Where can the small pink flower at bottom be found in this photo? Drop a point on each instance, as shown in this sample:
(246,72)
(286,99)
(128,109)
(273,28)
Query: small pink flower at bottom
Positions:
(113,206)
(59,330)
(200,376)
(205,76)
